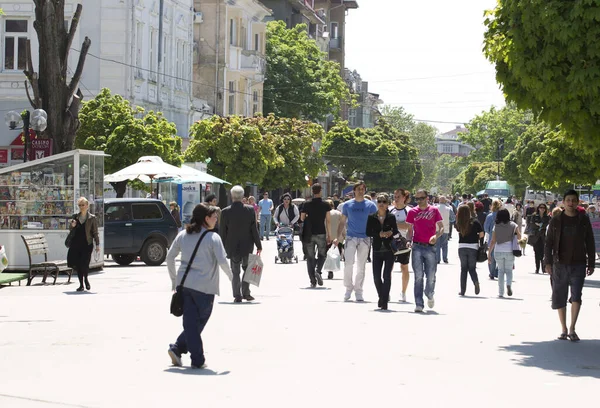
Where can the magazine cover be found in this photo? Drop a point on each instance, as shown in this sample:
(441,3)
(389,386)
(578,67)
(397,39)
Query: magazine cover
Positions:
(5,193)
(15,178)
(49,179)
(4,180)
(25,178)
(54,223)
(24,220)
(14,223)
(11,208)
(59,179)
(62,223)
(37,177)
(4,222)
(60,208)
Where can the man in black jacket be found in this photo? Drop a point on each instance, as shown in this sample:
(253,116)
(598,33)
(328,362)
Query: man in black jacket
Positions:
(569,254)
(239,233)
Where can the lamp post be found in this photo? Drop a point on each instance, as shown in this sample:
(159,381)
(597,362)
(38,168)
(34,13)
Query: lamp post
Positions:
(36,120)
(500,148)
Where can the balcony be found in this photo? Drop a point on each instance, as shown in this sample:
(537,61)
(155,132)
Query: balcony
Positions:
(253,61)
(335,44)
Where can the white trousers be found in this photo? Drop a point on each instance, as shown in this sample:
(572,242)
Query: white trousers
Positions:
(359,248)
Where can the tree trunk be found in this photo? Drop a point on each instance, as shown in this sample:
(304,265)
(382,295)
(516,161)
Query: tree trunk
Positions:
(120,187)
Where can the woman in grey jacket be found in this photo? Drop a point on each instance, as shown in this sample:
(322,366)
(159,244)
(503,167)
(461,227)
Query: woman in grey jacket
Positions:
(202,282)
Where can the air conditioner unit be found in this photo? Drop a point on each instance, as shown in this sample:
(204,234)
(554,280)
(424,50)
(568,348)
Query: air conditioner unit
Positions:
(198,17)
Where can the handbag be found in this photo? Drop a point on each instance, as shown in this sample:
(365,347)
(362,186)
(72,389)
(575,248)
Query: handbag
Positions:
(69,239)
(515,247)
(482,253)
(177,298)
(254,270)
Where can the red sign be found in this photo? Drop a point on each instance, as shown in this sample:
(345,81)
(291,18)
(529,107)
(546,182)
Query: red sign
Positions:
(3,156)
(40,148)
(16,154)
(19,139)
(208,186)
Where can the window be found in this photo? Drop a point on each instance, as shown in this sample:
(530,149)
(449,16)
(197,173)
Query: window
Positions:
(117,212)
(447,148)
(180,64)
(256,42)
(232,32)
(244,34)
(153,55)
(15,44)
(146,212)
(255,109)
(139,44)
(334,31)
(231,101)
(352,117)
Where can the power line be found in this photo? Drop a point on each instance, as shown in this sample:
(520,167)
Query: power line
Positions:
(431,77)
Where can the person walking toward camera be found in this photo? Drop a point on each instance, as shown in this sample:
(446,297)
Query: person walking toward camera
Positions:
(425,227)
(400,211)
(537,225)
(266,209)
(569,255)
(202,281)
(488,228)
(502,244)
(381,226)
(470,238)
(317,233)
(80,251)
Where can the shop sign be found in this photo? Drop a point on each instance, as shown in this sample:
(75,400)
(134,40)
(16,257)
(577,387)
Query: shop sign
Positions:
(3,157)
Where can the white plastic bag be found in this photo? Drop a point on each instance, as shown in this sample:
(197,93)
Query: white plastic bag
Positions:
(254,271)
(3,259)
(332,263)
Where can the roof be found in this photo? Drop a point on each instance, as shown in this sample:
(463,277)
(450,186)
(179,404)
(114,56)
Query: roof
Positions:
(455,132)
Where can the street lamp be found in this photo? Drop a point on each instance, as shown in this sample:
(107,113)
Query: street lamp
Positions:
(500,148)
(36,120)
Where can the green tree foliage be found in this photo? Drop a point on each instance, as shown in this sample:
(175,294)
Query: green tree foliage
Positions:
(109,123)
(474,177)
(423,137)
(449,168)
(269,151)
(547,55)
(398,118)
(300,81)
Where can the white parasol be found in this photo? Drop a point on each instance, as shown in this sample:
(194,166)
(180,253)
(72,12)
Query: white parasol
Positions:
(146,168)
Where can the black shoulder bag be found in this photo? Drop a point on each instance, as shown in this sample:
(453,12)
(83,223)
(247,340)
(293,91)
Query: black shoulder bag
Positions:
(177,298)
(69,239)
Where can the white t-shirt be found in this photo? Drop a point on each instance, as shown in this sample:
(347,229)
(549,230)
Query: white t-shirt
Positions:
(445,211)
(400,215)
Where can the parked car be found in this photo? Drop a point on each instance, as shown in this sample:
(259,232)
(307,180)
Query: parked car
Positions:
(138,227)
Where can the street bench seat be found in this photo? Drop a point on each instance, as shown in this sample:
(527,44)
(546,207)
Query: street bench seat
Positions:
(37,245)
(10,277)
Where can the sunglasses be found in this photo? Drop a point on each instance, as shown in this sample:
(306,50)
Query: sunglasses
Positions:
(381,201)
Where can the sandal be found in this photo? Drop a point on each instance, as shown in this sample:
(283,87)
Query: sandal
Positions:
(573,337)
(563,336)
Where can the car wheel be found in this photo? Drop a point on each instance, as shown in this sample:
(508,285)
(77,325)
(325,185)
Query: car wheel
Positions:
(153,252)
(123,259)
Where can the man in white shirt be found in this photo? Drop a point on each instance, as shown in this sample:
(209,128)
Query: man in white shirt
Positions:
(441,245)
(266,209)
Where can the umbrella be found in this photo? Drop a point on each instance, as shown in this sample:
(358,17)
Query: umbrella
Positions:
(192,175)
(146,168)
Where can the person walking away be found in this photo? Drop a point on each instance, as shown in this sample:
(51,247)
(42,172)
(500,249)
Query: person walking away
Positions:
(239,235)
(425,227)
(569,255)
(479,213)
(452,216)
(381,226)
(488,228)
(537,225)
(502,243)
(175,213)
(487,203)
(441,245)
(470,238)
(286,213)
(266,209)
(79,254)
(356,249)
(335,217)
(202,282)
(400,211)
(319,222)
(509,205)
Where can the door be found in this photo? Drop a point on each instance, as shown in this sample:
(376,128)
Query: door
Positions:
(148,219)
(118,229)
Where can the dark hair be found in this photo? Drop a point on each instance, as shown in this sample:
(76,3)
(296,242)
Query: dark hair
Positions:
(571,192)
(286,195)
(463,220)
(373,193)
(316,188)
(404,193)
(537,210)
(503,216)
(518,206)
(201,211)
(210,197)
(423,191)
(358,184)
(464,196)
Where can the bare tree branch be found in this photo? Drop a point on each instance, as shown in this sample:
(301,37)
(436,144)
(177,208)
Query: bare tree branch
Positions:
(71,35)
(33,104)
(32,77)
(79,70)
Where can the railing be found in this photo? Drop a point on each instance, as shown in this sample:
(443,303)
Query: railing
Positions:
(251,60)
(335,43)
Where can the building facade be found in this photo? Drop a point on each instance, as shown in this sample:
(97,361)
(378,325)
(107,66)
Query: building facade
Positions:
(229,57)
(367,112)
(448,143)
(124,55)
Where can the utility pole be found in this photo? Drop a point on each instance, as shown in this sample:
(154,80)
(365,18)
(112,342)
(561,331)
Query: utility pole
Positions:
(500,148)
(160,46)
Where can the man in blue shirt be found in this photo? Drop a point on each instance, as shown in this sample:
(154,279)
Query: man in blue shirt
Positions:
(356,213)
(266,209)
(488,228)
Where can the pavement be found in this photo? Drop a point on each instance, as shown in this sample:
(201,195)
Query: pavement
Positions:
(295,346)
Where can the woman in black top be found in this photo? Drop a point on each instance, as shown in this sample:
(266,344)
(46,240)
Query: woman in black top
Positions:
(82,244)
(537,224)
(175,213)
(470,237)
(382,226)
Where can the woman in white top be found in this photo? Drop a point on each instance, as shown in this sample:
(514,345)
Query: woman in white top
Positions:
(202,282)
(400,210)
(502,241)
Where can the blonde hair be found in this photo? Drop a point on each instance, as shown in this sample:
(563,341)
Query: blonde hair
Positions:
(496,205)
(330,202)
(82,200)
(556,211)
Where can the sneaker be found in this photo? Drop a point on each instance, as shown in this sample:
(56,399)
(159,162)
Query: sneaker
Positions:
(175,358)
(330,275)
(430,302)
(359,297)
(249,298)
(347,295)
(199,367)
(403,298)
(313,284)
(419,309)
(319,279)
(508,290)
(477,288)
(445,261)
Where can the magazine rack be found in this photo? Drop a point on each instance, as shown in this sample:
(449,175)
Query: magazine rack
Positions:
(40,196)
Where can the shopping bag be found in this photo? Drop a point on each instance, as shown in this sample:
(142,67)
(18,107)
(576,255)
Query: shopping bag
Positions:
(3,259)
(254,271)
(516,248)
(332,262)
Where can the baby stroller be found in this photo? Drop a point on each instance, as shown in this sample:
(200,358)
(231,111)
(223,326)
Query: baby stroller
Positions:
(285,244)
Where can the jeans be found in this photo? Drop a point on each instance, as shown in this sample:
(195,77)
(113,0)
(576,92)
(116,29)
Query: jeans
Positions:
(492,266)
(505,261)
(450,230)
(358,247)
(265,225)
(314,265)
(383,260)
(538,249)
(424,265)
(240,288)
(441,248)
(468,265)
(197,308)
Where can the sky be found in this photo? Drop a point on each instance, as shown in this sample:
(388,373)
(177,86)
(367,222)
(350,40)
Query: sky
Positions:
(424,55)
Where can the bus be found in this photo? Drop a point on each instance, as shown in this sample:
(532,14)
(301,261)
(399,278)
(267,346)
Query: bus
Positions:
(498,189)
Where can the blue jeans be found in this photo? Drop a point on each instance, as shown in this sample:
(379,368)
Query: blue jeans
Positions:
(424,265)
(265,225)
(441,246)
(314,264)
(197,308)
(505,261)
(492,266)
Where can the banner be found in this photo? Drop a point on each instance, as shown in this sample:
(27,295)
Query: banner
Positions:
(3,156)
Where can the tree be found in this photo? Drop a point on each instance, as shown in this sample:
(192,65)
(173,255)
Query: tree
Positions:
(423,138)
(51,89)
(109,123)
(300,81)
(449,169)
(475,176)
(547,59)
(398,118)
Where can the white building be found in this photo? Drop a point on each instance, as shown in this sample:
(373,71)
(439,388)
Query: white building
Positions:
(448,143)
(123,55)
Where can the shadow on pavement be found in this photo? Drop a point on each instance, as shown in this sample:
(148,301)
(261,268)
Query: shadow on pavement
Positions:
(85,292)
(473,297)
(195,371)
(317,288)
(564,357)
(240,304)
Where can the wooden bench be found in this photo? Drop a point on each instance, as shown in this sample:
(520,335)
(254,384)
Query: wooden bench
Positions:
(37,245)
